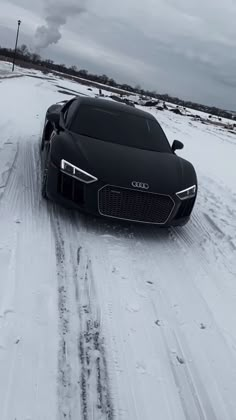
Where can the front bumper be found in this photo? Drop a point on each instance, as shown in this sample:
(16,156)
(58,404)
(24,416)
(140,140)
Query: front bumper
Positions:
(121,203)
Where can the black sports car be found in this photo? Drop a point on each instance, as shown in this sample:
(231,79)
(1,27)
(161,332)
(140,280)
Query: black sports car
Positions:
(114,160)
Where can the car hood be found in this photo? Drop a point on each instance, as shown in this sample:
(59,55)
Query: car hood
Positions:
(120,165)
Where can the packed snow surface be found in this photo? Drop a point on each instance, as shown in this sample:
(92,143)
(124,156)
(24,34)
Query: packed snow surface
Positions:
(102,320)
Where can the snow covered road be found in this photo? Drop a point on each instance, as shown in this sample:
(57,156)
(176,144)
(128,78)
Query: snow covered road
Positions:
(101,320)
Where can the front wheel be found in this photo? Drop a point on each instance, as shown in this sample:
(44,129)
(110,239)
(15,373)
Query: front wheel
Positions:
(48,133)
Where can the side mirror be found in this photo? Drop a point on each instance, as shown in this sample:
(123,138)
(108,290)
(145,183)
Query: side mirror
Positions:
(177,145)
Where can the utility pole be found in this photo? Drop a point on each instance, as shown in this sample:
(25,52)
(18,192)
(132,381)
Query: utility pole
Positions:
(17,35)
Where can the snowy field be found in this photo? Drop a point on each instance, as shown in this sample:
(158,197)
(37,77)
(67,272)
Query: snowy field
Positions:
(107,321)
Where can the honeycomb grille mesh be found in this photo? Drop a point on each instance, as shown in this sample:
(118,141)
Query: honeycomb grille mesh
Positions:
(135,205)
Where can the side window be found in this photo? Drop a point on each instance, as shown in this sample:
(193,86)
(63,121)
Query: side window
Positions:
(65,114)
(70,112)
(65,110)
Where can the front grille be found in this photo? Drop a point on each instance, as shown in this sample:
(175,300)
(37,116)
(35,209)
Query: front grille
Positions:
(135,205)
(185,208)
(71,188)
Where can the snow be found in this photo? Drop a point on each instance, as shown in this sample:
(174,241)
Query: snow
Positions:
(210,149)
(103,320)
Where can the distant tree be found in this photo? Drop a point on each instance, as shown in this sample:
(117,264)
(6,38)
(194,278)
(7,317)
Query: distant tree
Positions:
(35,58)
(111,82)
(104,79)
(127,87)
(83,73)
(23,49)
(23,54)
(49,62)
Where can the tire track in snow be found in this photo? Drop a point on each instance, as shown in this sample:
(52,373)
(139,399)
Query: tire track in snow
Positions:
(26,182)
(21,192)
(96,398)
(189,368)
(196,405)
(64,367)
(188,378)
(6,164)
(23,184)
(129,345)
(187,374)
(22,231)
(174,338)
(78,309)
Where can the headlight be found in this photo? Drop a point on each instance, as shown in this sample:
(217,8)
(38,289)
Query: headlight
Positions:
(77,173)
(188,193)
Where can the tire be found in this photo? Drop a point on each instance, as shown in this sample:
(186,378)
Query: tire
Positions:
(47,135)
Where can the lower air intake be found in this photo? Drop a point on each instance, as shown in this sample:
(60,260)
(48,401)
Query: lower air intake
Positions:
(185,208)
(135,205)
(70,188)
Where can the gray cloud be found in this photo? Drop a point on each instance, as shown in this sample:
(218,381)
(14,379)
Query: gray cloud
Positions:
(182,48)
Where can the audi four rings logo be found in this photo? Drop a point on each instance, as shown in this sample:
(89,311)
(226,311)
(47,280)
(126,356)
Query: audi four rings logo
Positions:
(142,185)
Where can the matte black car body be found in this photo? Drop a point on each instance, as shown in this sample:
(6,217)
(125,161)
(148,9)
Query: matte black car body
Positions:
(130,183)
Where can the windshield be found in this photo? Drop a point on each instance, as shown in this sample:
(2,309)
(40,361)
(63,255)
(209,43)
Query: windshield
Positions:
(120,127)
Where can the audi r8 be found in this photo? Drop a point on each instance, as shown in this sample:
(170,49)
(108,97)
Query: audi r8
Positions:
(114,160)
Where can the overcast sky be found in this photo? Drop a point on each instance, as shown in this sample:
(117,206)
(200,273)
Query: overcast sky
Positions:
(186,48)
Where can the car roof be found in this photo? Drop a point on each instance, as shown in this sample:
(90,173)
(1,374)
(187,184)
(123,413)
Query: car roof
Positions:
(113,105)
